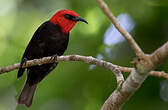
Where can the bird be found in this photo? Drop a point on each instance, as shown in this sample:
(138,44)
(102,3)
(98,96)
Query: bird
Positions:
(50,39)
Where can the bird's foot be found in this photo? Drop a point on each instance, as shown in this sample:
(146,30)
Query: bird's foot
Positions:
(23,62)
(54,57)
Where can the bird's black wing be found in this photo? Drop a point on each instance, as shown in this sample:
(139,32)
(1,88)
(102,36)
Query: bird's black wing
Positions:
(28,54)
(48,40)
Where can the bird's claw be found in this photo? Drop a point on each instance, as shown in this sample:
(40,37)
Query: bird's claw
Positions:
(54,57)
(23,62)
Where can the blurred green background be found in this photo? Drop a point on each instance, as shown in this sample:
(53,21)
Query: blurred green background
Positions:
(75,85)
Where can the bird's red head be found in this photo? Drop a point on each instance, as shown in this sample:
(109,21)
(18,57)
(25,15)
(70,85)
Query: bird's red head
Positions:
(66,19)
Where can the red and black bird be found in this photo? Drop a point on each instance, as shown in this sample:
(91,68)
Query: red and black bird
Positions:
(50,39)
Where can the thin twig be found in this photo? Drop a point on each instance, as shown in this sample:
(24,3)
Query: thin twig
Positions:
(160,74)
(127,36)
(89,60)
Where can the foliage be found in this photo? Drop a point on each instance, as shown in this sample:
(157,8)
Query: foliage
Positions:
(72,85)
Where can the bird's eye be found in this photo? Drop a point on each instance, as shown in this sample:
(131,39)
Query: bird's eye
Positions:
(67,16)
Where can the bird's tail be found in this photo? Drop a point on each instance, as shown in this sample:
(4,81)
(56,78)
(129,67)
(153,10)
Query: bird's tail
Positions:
(26,96)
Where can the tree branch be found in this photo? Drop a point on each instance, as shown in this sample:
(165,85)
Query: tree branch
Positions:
(160,54)
(84,59)
(160,74)
(143,65)
(89,60)
(127,36)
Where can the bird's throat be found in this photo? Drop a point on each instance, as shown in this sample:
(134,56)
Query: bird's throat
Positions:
(66,25)
(66,28)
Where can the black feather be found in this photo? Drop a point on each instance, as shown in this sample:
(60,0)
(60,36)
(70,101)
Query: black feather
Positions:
(48,40)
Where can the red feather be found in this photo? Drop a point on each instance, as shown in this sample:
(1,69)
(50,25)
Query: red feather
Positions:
(65,24)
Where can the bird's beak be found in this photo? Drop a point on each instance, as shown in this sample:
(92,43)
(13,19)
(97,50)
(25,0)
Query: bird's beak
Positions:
(80,19)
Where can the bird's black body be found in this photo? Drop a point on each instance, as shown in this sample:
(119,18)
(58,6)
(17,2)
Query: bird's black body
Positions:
(48,40)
